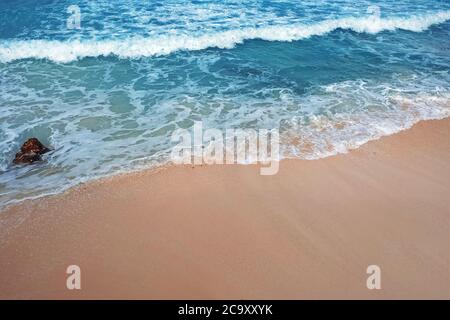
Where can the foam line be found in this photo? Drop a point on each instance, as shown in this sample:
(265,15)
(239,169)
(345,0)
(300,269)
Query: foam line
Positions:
(67,51)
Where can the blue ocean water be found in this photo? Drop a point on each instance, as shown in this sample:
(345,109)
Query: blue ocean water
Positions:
(331,75)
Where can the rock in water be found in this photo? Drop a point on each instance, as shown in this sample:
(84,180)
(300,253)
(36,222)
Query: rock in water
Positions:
(30,152)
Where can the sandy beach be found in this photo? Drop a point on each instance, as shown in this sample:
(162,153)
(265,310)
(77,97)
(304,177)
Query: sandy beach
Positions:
(226,232)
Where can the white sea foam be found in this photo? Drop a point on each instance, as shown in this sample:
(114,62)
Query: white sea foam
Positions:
(70,50)
(325,136)
(363,111)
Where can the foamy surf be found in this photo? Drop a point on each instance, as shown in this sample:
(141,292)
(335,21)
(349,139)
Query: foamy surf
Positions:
(324,136)
(71,50)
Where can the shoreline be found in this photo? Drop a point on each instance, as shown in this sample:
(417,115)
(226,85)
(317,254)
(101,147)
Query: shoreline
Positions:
(224,231)
(168,166)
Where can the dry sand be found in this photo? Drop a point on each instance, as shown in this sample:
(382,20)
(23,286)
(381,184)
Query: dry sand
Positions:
(226,232)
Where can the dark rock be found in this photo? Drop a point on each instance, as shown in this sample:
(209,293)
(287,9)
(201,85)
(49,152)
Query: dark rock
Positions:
(30,152)
(27,158)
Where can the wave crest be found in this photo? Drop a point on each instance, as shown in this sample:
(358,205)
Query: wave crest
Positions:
(67,51)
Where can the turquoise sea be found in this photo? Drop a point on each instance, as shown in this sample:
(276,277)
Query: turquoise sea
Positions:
(106,97)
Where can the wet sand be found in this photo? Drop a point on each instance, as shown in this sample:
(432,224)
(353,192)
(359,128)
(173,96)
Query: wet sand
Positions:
(220,232)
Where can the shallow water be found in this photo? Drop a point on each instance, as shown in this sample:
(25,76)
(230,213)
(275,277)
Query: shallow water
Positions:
(107,97)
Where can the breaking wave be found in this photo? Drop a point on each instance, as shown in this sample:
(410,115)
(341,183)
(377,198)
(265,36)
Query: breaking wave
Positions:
(71,50)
